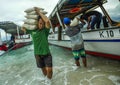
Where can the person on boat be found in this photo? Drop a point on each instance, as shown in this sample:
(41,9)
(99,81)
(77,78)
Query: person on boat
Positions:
(93,18)
(12,39)
(41,46)
(77,44)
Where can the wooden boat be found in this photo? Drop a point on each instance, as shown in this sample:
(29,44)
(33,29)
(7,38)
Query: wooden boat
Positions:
(20,39)
(103,42)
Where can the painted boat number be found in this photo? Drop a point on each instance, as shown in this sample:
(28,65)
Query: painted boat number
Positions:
(109,33)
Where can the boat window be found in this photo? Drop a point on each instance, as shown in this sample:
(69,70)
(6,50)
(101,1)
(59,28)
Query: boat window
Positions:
(23,36)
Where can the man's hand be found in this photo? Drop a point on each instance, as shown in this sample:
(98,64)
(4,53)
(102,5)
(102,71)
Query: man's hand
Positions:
(37,10)
(23,29)
(88,27)
(44,18)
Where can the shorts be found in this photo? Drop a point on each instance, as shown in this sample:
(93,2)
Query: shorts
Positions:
(43,60)
(78,53)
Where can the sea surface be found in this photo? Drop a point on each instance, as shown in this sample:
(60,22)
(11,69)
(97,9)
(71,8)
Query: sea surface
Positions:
(18,67)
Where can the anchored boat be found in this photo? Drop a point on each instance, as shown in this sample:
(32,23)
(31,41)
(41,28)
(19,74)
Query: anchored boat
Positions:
(100,42)
(20,39)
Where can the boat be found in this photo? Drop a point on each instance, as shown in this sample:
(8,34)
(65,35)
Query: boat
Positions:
(3,49)
(104,42)
(20,39)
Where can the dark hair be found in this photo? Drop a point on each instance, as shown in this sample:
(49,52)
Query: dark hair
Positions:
(82,16)
(39,17)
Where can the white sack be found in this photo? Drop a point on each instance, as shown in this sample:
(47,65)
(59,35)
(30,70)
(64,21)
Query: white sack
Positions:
(29,27)
(31,16)
(32,9)
(42,11)
(30,21)
(74,22)
(34,12)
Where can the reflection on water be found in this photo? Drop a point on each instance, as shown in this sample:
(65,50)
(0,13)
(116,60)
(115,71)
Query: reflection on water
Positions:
(19,68)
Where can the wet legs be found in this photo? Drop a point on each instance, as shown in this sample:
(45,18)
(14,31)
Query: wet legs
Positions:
(84,60)
(77,63)
(47,71)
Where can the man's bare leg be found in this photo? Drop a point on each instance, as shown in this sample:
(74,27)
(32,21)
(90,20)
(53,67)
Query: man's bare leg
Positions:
(77,62)
(49,72)
(84,60)
(44,71)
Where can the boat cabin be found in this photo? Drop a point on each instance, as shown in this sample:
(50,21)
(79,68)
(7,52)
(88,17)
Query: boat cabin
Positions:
(72,8)
(103,42)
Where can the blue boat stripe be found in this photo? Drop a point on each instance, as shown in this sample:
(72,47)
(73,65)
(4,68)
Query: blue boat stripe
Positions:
(114,40)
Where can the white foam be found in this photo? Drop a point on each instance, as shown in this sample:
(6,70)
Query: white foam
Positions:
(115,79)
(65,76)
(93,69)
(90,79)
(6,82)
(1,52)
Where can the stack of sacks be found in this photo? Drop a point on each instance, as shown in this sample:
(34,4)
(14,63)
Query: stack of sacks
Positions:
(74,22)
(30,22)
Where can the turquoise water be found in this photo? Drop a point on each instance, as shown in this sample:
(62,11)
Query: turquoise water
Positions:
(18,67)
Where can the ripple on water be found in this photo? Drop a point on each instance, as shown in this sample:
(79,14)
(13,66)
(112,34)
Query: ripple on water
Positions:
(19,68)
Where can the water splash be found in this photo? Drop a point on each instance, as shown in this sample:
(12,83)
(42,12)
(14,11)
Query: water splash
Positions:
(115,79)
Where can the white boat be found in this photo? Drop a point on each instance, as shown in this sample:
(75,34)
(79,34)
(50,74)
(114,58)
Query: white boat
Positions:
(19,39)
(22,40)
(103,42)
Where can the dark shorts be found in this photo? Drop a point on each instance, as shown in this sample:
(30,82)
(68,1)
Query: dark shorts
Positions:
(43,60)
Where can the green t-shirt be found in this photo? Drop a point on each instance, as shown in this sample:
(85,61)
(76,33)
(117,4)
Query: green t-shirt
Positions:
(40,41)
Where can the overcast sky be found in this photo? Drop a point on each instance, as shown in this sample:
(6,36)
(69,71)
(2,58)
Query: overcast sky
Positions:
(13,10)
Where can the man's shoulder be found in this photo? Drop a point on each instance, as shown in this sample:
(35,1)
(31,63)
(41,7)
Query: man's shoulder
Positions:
(80,25)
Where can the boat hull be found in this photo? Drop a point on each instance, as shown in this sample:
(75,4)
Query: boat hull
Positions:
(103,42)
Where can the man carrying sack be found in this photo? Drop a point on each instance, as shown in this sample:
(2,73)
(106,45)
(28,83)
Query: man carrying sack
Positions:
(41,47)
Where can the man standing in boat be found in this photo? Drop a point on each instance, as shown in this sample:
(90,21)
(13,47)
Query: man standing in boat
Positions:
(74,32)
(12,41)
(93,18)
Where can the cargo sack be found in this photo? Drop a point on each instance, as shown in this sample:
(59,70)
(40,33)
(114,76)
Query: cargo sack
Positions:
(32,9)
(29,27)
(31,21)
(74,22)
(31,16)
(34,12)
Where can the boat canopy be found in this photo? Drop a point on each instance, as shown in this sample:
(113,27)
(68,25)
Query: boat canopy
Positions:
(70,8)
(10,27)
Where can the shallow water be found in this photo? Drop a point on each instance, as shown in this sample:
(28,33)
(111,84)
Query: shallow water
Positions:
(19,68)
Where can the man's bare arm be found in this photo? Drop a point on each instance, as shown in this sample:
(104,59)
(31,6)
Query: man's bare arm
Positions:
(45,18)
(23,29)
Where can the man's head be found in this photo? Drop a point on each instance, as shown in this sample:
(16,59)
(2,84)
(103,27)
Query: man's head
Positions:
(41,23)
(66,21)
(82,17)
